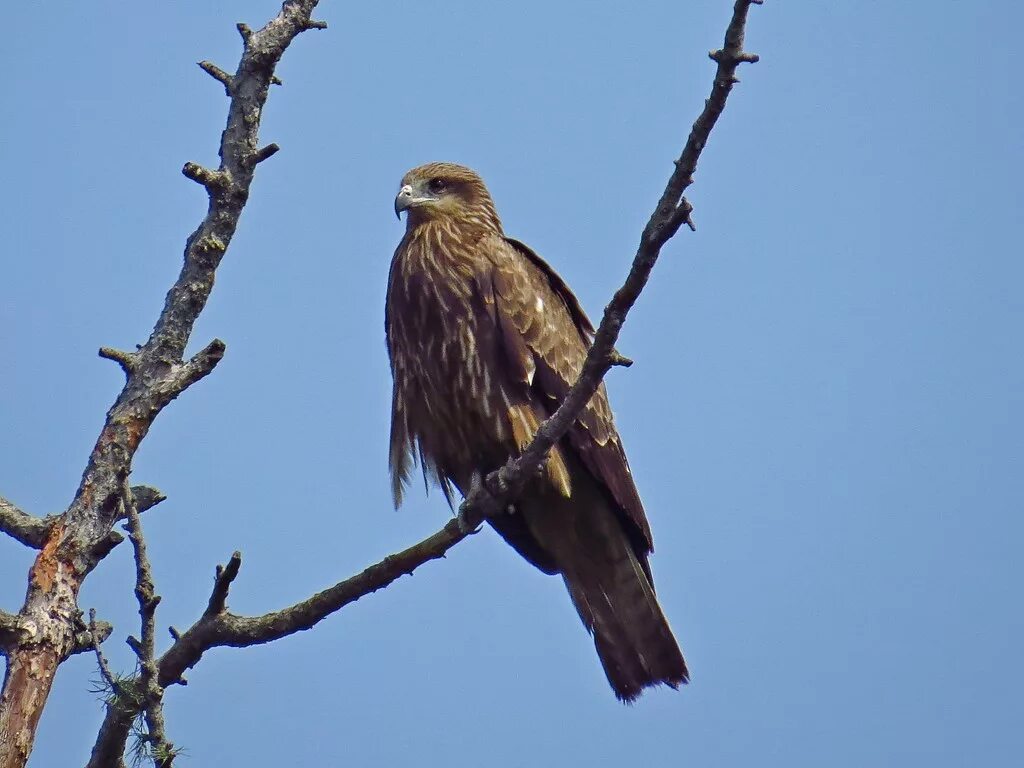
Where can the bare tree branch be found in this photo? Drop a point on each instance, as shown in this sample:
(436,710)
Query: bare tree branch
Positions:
(21,526)
(673,210)
(108,751)
(95,639)
(217,74)
(156,374)
(33,531)
(90,634)
(218,627)
(152,694)
(223,579)
(128,361)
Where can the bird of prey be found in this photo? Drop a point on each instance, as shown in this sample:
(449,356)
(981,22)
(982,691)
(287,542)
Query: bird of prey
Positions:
(485,340)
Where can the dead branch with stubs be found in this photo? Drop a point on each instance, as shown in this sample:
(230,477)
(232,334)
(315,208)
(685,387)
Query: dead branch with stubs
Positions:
(50,625)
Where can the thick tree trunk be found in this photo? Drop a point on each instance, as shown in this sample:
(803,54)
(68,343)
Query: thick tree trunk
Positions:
(30,673)
(48,619)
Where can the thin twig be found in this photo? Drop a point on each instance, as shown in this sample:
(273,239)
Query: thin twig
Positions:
(223,578)
(101,660)
(127,360)
(267,152)
(672,211)
(152,693)
(217,74)
(218,627)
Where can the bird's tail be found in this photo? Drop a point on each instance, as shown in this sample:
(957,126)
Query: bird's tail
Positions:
(632,636)
(610,587)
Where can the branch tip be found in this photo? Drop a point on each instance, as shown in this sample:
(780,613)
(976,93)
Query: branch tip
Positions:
(224,576)
(200,365)
(136,645)
(127,360)
(146,497)
(90,640)
(614,358)
(104,546)
(214,351)
(244,30)
(267,152)
(217,74)
(212,180)
(672,211)
(315,25)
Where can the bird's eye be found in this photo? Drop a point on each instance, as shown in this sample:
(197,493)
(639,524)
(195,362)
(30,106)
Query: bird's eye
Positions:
(437,186)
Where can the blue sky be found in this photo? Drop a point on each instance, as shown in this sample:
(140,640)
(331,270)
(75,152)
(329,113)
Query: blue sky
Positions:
(825,418)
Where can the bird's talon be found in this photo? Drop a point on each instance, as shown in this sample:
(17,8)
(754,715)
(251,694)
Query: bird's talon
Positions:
(496,485)
(465,524)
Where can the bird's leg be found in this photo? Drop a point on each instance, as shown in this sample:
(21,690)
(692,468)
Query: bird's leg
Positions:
(476,482)
(542,465)
(469,515)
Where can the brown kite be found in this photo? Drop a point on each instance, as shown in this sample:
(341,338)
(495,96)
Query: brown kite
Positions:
(485,340)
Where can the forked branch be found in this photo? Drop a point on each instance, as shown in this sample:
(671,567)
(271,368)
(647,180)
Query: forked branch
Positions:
(73,543)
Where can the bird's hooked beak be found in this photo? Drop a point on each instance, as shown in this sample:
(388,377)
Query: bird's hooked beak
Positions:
(403,200)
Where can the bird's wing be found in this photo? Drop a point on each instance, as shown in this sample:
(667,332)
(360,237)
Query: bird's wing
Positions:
(399,454)
(546,336)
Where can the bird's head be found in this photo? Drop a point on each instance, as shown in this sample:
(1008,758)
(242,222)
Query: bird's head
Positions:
(446,191)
